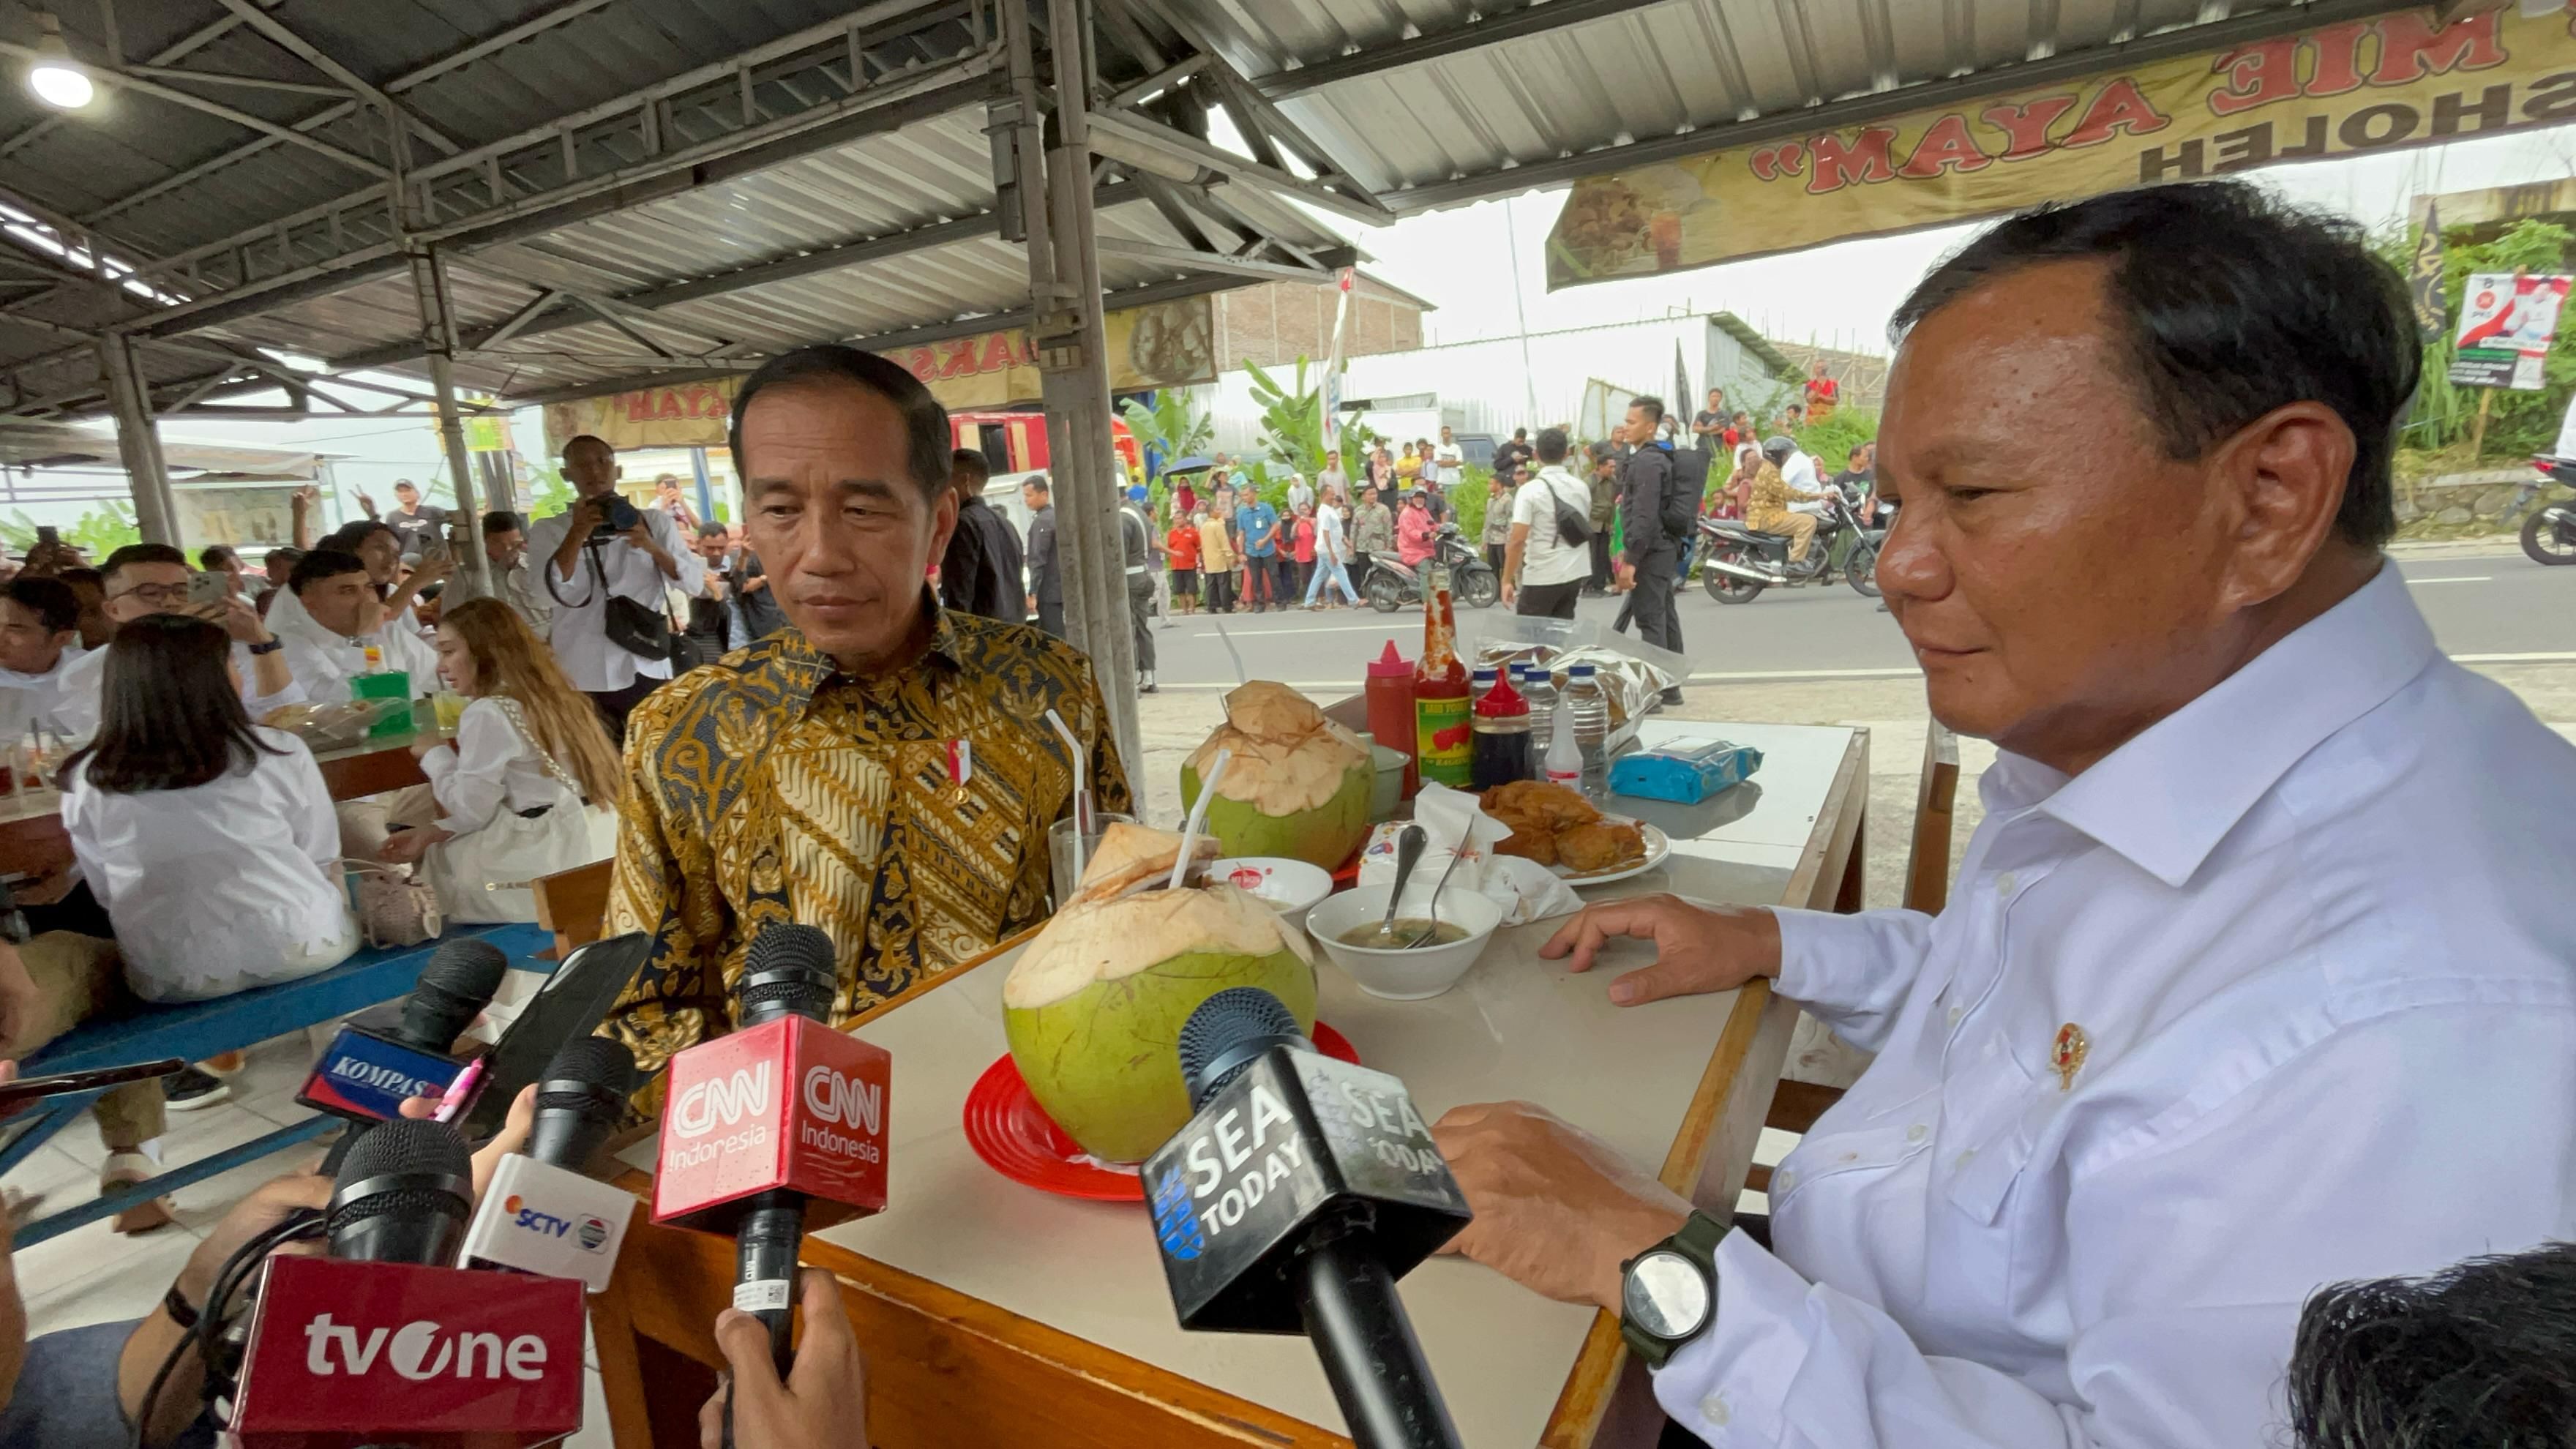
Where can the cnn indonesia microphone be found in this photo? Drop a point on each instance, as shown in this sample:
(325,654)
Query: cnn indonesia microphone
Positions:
(541,1214)
(776,1128)
(373,1345)
(1292,1202)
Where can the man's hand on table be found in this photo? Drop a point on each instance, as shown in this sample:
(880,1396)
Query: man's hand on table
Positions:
(824,1402)
(1557,1210)
(1698,949)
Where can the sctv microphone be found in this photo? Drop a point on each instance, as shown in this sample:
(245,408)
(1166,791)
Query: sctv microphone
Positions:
(1292,1202)
(777,1127)
(371,1346)
(388,1053)
(540,1214)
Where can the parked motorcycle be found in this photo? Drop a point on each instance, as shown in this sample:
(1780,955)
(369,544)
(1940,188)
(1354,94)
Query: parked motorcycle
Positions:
(1737,564)
(2549,534)
(1391,586)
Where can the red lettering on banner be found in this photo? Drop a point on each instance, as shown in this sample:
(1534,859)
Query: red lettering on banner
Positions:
(1946,146)
(639,407)
(960,361)
(1773,162)
(997,353)
(1865,159)
(666,406)
(2257,75)
(924,364)
(2338,52)
(2118,108)
(2409,48)
(2026,126)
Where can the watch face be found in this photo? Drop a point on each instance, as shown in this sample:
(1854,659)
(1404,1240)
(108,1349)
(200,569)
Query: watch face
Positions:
(1667,1295)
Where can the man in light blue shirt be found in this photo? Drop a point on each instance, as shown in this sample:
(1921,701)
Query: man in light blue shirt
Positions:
(1257,523)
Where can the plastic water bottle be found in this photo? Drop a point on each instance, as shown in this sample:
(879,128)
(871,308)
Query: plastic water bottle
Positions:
(1564,762)
(1590,709)
(1481,683)
(1537,686)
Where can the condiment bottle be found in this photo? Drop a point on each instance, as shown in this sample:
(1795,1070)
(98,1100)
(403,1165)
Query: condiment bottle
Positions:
(1441,721)
(1564,756)
(1390,710)
(1502,738)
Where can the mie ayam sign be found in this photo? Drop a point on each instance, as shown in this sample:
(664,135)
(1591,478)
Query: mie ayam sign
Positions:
(2367,85)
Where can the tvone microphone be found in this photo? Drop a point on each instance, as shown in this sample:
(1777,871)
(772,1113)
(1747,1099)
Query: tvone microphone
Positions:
(776,1128)
(540,1214)
(1292,1202)
(372,1347)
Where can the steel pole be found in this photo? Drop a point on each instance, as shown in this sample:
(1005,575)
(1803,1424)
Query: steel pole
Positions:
(138,441)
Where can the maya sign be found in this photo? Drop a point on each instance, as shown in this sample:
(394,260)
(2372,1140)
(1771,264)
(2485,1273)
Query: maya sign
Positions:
(2506,326)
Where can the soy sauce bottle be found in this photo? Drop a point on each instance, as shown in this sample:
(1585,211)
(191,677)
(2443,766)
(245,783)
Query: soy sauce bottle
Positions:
(1502,745)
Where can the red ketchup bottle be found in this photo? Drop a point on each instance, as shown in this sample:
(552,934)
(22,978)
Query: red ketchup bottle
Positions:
(1390,709)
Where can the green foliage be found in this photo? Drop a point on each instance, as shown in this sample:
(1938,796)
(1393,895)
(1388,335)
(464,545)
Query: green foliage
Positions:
(1292,422)
(1833,439)
(549,494)
(100,532)
(1171,425)
(1467,500)
(2518,423)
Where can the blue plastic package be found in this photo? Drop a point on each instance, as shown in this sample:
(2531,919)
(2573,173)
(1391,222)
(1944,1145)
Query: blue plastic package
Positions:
(1684,771)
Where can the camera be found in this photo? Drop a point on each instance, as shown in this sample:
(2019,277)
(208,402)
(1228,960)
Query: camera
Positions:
(621,516)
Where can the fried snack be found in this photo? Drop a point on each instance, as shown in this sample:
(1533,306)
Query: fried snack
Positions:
(1525,803)
(1529,842)
(1601,845)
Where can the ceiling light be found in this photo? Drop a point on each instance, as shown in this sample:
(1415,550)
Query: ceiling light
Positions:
(55,77)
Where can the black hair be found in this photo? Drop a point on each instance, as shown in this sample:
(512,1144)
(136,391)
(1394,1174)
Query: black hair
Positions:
(2481,1355)
(1519,434)
(971,463)
(713,529)
(1856,450)
(169,716)
(214,555)
(928,444)
(140,553)
(322,563)
(500,520)
(2230,303)
(1552,444)
(1039,483)
(1653,405)
(50,600)
(86,576)
(577,439)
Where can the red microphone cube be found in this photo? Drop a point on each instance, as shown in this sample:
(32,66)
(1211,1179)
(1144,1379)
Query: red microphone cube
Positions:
(346,1354)
(790,1103)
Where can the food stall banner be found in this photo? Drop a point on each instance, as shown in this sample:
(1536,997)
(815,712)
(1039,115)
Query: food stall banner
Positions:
(2384,84)
(2506,325)
(1169,344)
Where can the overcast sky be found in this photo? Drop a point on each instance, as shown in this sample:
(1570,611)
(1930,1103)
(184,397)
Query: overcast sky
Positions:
(1839,295)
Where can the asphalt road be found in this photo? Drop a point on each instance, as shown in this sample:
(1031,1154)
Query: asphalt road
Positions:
(2484,608)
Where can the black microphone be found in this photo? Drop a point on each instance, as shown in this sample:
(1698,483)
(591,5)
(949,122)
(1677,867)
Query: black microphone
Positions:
(403,1196)
(786,971)
(580,1100)
(456,984)
(1292,1202)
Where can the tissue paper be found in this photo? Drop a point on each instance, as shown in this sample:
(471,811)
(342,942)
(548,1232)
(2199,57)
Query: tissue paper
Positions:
(1526,890)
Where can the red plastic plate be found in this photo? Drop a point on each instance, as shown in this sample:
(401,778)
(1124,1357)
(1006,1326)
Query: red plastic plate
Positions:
(1006,1128)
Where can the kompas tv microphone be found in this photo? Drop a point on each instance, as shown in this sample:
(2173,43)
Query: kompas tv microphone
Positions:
(387,1053)
(1292,1202)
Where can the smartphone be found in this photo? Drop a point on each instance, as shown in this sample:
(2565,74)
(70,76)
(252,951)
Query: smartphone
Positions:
(433,547)
(208,587)
(572,1003)
(19,1093)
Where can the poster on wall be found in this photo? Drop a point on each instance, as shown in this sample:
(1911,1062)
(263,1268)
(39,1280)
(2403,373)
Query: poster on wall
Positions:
(2381,84)
(1169,344)
(2506,325)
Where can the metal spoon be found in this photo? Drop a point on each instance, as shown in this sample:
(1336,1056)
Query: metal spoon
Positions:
(1432,928)
(1409,843)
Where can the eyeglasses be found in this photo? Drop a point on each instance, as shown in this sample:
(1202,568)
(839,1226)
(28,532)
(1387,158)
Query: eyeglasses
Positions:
(155,593)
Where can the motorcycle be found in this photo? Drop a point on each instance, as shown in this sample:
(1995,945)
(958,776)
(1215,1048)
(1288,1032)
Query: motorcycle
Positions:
(1391,586)
(2549,534)
(1737,563)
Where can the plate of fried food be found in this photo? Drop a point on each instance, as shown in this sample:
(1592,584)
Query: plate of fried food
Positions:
(1558,828)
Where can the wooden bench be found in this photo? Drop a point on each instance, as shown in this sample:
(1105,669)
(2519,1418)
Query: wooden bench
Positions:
(1795,1106)
(201,1029)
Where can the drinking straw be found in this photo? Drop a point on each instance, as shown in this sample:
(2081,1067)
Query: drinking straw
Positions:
(1081,790)
(1198,817)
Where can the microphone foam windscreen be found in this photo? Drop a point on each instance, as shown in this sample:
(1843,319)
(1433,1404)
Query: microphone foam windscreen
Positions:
(1230,1019)
(469,968)
(788,970)
(603,1062)
(407,1145)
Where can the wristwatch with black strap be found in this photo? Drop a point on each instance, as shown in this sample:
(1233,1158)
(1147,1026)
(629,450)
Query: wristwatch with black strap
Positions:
(1668,1293)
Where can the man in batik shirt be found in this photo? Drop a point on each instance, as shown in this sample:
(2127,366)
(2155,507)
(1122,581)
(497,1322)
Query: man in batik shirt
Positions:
(884,769)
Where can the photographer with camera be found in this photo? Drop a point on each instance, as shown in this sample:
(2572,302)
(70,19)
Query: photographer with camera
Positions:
(608,564)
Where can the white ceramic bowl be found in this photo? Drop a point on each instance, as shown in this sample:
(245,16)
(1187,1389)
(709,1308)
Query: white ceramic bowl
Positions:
(1290,887)
(1417,974)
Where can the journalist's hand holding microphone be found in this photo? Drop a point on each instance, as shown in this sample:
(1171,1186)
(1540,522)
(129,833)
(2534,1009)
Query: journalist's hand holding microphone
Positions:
(823,1404)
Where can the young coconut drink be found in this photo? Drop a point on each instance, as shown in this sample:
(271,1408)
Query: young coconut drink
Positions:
(1093,1008)
(1298,785)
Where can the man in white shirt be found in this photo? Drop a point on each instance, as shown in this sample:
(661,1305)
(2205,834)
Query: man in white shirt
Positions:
(335,630)
(1333,480)
(39,640)
(1448,455)
(152,578)
(1543,571)
(2255,976)
(605,549)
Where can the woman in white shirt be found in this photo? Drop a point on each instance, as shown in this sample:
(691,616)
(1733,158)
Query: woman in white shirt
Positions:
(529,785)
(210,840)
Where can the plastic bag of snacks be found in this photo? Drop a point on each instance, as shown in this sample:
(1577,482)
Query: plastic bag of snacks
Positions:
(1684,771)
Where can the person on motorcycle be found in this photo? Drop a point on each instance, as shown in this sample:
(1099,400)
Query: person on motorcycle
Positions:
(1767,510)
(1414,530)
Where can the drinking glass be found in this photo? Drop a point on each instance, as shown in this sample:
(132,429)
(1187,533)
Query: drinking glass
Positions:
(1060,837)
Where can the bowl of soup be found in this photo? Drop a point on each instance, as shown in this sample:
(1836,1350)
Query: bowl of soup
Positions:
(1346,926)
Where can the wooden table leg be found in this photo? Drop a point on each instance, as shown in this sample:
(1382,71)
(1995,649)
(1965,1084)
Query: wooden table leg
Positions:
(621,1372)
